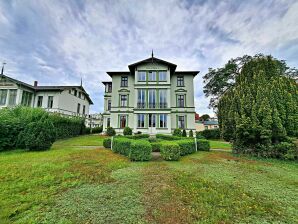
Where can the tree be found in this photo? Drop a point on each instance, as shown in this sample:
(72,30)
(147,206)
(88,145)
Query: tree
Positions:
(205,117)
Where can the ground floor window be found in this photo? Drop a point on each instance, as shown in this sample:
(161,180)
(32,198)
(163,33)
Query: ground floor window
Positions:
(163,120)
(122,121)
(108,122)
(181,122)
(12,97)
(152,120)
(3,95)
(141,120)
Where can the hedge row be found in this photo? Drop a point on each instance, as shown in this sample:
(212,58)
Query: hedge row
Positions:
(209,133)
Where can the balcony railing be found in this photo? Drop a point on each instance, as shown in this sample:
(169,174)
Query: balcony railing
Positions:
(152,105)
(141,105)
(163,105)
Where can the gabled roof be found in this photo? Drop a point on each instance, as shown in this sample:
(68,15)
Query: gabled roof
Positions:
(48,88)
(153,60)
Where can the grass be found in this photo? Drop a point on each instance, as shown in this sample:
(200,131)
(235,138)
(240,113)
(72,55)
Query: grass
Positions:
(84,140)
(72,184)
(220,144)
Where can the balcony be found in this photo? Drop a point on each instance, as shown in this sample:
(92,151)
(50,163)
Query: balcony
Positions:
(163,105)
(152,105)
(141,105)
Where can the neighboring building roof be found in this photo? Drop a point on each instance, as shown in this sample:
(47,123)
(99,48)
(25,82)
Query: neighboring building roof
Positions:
(207,122)
(48,88)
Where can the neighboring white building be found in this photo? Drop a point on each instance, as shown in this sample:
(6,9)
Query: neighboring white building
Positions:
(152,97)
(65,100)
(94,120)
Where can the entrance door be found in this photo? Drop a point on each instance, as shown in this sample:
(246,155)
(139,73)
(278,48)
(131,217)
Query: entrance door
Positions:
(152,123)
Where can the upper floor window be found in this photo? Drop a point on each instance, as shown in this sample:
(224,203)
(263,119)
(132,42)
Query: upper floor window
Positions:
(50,101)
(39,101)
(75,92)
(141,76)
(84,108)
(124,81)
(109,105)
(80,94)
(162,98)
(162,76)
(152,98)
(180,101)
(152,76)
(78,108)
(141,98)
(69,91)
(108,88)
(123,100)
(180,81)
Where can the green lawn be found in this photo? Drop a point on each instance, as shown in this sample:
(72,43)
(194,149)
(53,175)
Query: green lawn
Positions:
(84,140)
(220,144)
(70,184)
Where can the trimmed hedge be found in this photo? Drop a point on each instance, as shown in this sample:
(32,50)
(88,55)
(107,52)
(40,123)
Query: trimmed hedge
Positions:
(170,151)
(107,143)
(203,145)
(97,129)
(190,134)
(211,133)
(177,132)
(187,146)
(156,146)
(111,131)
(127,131)
(199,135)
(168,137)
(122,146)
(184,133)
(140,150)
(139,136)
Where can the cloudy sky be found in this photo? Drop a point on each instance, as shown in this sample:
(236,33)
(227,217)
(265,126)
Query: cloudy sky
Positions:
(58,42)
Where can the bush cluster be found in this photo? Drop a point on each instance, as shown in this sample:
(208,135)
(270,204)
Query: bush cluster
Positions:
(210,133)
(203,145)
(121,146)
(170,151)
(111,131)
(97,129)
(127,131)
(140,150)
(177,132)
(107,143)
(168,137)
(187,146)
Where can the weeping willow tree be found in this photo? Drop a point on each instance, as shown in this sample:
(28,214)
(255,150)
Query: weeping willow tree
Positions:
(260,111)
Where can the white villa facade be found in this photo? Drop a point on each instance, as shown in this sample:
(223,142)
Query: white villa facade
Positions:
(152,97)
(65,100)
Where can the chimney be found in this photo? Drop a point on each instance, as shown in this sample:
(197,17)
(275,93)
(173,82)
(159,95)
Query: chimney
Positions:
(35,83)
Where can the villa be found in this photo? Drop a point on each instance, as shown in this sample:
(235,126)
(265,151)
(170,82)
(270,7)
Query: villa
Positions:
(151,97)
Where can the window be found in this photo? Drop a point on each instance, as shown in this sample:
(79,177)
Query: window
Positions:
(39,101)
(162,76)
(180,100)
(69,91)
(162,98)
(181,122)
(80,94)
(152,98)
(84,108)
(180,81)
(50,101)
(152,76)
(75,92)
(108,88)
(12,97)
(141,98)
(123,100)
(124,81)
(3,95)
(26,98)
(109,105)
(152,120)
(141,120)
(108,122)
(122,121)
(162,120)
(142,76)
(78,108)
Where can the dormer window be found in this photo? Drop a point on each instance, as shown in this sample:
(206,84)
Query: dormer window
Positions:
(141,76)
(152,76)
(162,76)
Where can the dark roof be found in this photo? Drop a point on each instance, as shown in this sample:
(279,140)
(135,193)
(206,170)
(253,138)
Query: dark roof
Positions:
(194,73)
(105,82)
(152,60)
(49,88)
(118,73)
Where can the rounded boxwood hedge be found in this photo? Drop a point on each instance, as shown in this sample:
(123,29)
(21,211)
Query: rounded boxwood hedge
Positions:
(107,143)
(187,146)
(127,131)
(111,131)
(170,151)
(203,145)
(140,150)
(122,146)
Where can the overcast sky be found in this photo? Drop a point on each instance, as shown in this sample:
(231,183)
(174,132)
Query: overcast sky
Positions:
(58,42)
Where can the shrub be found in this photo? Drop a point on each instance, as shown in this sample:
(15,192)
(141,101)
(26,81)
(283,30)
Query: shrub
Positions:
(111,131)
(87,130)
(97,129)
(177,132)
(127,131)
(170,151)
(184,133)
(139,136)
(107,143)
(285,150)
(39,135)
(190,134)
(167,137)
(121,145)
(140,150)
(152,139)
(211,133)
(199,135)
(156,146)
(187,146)
(203,145)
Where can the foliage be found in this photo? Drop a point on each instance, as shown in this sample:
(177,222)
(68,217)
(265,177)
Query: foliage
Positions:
(187,146)
(199,135)
(215,144)
(107,143)
(177,132)
(121,145)
(261,108)
(111,131)
(190,134)
(140,150)
(210,133)
(156,146)
(170,151)
(184,133)
(87,130)
(39,135)
(127,131)
(139,136)
(167,137)
(203,145)
(97,129)
(205,117)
